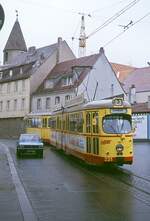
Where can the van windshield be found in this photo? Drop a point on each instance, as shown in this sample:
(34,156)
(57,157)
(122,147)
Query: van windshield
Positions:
(117,124)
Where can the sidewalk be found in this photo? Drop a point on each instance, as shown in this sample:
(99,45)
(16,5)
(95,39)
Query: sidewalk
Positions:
(9,205)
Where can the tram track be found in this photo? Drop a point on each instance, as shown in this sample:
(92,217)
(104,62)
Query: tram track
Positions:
(113,175)
(137,181)
(138,186)
(119,177)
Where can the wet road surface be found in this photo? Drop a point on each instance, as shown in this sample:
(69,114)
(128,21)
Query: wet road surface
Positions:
(60,188)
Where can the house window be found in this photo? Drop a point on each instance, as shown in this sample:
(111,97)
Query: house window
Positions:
(23,85)
(1,88)
(39,104)
(8,105)
(1,75)
(57,100)
(23,104)
(15,104)
(8,87)
(16,86)
(6,56)
(48,101)
(67,97)
(65,81)
(1,105)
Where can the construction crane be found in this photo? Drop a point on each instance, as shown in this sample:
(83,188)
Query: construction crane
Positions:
(82,38)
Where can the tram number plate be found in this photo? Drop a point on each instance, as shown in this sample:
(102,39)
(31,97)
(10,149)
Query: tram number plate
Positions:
(108,159)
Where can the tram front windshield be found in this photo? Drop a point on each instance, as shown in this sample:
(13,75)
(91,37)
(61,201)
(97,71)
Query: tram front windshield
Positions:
(117,124)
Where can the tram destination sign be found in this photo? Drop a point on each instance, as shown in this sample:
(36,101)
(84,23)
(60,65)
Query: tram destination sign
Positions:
(118,111)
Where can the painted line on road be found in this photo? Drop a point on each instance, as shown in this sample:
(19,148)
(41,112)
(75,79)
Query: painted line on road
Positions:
(25,204)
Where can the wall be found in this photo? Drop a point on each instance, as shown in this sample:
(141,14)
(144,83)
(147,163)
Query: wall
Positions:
(40,74)
(11,96)
(140,122)
(102,74)
(11,128)
(142,97)
(48,65)
(11,56)
(52,96)
(65,52)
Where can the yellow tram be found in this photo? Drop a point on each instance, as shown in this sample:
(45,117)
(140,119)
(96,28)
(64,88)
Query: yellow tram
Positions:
(97,132)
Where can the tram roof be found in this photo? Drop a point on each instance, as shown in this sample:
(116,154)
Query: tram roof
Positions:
(36,114)
(101,104)
(104,104)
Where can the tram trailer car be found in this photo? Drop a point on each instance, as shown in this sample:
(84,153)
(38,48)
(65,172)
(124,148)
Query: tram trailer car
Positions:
(98,132)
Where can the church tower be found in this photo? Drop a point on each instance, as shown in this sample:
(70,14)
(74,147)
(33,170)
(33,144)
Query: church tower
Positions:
(15,44)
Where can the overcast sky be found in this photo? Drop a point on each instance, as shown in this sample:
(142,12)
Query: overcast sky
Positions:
(42,22)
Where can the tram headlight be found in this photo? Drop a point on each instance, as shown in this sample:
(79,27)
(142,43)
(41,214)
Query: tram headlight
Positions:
(119,148)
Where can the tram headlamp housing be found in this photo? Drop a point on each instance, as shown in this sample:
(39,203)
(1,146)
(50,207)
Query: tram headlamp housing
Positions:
(119,148)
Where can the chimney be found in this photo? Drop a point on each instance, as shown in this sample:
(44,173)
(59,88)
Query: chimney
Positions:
(59,44)
(132,94)
(32,50)
(112,90)
(148,103)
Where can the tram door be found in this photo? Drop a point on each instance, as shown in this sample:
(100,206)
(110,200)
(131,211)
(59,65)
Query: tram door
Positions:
(92,130)
(44,130)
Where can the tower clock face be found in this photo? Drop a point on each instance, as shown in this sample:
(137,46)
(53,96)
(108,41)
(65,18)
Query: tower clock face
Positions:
(2,16)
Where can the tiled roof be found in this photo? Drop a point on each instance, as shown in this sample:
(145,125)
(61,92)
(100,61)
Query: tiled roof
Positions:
(140,78)
(35,54)
(16,40)
(140,108)
(122,71)
(64,69)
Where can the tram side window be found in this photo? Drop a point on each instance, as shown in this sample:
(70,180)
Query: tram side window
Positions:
(44,122)
(59,122)
(89,145)
(29,123)
(95,122)
(67,122)
(88,122)
(96,146)
(64,122)
(76,122)
(52,122)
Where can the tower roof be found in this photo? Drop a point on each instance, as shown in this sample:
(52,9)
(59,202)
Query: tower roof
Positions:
(16,40)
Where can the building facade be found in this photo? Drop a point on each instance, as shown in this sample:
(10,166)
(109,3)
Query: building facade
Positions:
(91,77)
(21,75)
(137,85)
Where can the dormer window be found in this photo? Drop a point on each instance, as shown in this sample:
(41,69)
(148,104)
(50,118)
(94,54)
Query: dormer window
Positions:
(49,84)
(70,80)
(10,73)
(21,71)
(67,81)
